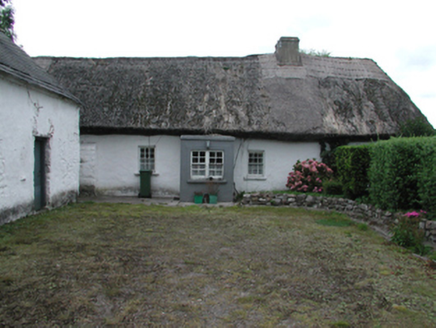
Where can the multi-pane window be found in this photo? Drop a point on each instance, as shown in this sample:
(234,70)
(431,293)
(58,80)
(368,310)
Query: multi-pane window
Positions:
(146,158)
(255,163)
(207,164)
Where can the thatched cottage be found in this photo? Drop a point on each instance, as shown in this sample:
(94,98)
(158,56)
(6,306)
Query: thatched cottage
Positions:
(242,122)
(39,137)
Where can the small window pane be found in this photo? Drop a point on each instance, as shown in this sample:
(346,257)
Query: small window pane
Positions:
(255,163)
(146,158)
(207,163)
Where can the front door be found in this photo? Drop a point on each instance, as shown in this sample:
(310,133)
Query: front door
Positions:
(39,174)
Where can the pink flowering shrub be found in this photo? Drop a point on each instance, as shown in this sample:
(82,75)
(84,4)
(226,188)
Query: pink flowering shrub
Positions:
(415,214)
(406,232)
(307,176)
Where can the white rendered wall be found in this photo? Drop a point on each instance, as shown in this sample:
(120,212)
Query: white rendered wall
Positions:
(111,163)
(25,113)
(279,157)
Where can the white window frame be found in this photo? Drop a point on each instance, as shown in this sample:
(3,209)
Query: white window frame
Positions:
(200,160)
(256,167)
(147,163)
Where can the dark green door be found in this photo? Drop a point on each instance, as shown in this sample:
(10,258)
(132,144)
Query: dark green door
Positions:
(39,174)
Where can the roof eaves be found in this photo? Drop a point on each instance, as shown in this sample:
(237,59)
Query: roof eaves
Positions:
(270,135)
(29,79)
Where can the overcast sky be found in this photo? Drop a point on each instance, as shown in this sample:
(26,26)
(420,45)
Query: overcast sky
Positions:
(398,35)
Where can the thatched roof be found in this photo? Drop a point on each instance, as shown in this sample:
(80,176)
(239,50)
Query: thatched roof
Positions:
(15,62)
(252,96)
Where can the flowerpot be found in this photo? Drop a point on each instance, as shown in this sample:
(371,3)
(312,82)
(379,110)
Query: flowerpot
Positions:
(213,199)
(198,199)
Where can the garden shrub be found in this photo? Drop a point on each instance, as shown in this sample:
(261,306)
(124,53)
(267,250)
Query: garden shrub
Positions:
(402,174)
(407,233)
(427,178)
(394,171)
(352,163)
(328,152)
(332,187)
(308,176)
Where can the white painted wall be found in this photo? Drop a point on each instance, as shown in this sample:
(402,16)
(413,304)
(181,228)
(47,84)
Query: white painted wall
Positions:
(27,112)
(279,157)
(111,162)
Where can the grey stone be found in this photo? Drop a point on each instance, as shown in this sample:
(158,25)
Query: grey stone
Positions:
(310,200)
(422,225)
(300,198)
(276,202)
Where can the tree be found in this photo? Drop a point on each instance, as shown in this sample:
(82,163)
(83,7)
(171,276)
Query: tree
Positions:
(7,19)
(318,53)
(418,127)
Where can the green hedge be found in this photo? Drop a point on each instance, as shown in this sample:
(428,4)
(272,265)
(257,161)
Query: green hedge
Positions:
(352,163)
(332,187)
(427,178)
(400,175)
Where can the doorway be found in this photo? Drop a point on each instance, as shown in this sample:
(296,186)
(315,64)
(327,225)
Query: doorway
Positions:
(39,174)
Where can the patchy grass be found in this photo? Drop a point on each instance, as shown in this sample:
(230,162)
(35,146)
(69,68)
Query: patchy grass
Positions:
(337,220)
(135,265)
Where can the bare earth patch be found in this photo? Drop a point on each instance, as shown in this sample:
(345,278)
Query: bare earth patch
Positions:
(135,265)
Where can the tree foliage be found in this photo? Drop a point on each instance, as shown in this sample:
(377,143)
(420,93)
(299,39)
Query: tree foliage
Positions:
(418,127)
(318,53)
(7,19)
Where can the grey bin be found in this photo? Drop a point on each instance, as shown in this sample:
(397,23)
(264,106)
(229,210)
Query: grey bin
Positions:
(145,183)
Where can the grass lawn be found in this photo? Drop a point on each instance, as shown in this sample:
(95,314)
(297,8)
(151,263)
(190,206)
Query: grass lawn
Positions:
(94,264)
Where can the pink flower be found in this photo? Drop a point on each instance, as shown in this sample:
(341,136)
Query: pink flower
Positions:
(308,176)
(413,214)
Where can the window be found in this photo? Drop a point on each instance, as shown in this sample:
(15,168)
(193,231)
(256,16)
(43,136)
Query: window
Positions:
(255,163)
(146,158)
(207,164)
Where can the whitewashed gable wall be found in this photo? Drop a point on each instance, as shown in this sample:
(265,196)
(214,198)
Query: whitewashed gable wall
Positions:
(26,113)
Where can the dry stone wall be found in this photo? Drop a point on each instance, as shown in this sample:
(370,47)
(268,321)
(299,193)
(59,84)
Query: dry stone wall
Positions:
(382,220)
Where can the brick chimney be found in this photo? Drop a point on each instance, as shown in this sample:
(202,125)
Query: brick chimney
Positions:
(287,51)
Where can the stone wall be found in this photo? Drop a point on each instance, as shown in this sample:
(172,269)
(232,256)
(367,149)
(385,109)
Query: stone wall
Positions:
(377,218)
